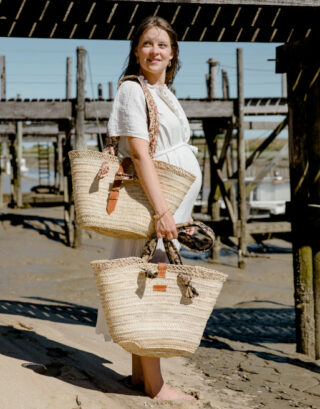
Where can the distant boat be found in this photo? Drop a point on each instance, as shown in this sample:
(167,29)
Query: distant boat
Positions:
(23,166)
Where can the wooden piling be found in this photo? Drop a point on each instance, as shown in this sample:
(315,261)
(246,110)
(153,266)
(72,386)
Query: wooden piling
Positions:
(301,236)
(1,164)
(3,96)
(110,87)
(55,162)
(242,211)
(303,87)
(19,159)
(60,161)
(69,78)
(80,141)
(225,85)
(100,92)
(212,134)
(312,128)
(3,76)
(229,153)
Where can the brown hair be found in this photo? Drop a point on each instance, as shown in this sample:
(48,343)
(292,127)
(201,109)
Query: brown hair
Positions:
(133,68)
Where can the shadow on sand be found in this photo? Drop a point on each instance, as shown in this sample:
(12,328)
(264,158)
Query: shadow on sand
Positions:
(51,358)
(50,227)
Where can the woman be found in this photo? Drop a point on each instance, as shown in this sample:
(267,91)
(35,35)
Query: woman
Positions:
(154,57)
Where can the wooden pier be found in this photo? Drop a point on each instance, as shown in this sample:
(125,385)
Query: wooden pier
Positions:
(295,23)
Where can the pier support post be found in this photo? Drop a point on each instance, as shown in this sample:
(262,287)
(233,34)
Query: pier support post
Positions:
(212,142)
(242,207)
(302,64)
(80,141)
(2,166)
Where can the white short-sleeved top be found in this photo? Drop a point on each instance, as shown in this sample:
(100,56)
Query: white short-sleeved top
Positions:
(129,117)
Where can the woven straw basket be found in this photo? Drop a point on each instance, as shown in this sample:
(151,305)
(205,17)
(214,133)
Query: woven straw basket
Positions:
(149,323)
(132,217)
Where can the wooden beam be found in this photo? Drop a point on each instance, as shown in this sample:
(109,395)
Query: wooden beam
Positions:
(224,193)
(29,110)
(207,109)
(268,227)
(263,173)
(194,108)
(299,53)
(226,143)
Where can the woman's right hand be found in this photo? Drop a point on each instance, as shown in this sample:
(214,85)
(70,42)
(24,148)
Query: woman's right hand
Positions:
(166,227)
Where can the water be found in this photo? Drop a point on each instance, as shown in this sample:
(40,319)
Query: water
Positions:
(29,179)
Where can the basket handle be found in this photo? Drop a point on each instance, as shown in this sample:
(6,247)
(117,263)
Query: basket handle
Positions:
(191,242)
(152,117)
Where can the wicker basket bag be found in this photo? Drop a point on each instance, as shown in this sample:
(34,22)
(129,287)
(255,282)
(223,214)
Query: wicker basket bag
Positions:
(107,194)
(157,310)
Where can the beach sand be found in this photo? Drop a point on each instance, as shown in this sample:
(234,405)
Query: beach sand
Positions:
(51,357)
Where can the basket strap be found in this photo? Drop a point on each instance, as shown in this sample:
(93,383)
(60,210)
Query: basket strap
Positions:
(114,191)
(152,112)
(193,242)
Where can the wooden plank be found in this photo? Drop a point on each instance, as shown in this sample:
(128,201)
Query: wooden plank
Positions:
(48,129)
(268,227)
(37,198)
(45,110)
(194,108)
(102,108)
(259,125)
(207,109)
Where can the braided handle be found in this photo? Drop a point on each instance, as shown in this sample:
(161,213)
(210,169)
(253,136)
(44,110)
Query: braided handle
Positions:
(152,115)
(191,242)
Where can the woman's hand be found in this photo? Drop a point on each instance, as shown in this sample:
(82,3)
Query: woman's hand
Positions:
(166,227)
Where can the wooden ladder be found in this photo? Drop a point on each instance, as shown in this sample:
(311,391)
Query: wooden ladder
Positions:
(44,165)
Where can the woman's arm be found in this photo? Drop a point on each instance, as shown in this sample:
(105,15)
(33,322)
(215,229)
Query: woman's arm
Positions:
(144,166)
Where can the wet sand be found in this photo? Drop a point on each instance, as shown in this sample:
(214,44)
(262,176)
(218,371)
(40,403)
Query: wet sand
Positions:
(52,358)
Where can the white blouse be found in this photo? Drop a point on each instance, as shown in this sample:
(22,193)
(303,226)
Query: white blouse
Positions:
(129,117)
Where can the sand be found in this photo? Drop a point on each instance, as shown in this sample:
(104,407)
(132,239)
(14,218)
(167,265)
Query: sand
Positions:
(51,356)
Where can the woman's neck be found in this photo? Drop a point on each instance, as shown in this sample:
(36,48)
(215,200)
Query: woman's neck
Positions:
(153,79)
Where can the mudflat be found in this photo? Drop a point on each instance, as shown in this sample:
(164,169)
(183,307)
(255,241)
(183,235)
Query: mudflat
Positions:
(51,357)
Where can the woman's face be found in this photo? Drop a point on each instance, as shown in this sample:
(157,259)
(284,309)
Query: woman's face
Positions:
(154,53)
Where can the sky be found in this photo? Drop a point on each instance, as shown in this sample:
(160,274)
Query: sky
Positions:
(36,68)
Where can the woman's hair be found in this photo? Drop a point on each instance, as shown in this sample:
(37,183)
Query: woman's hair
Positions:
(133,68)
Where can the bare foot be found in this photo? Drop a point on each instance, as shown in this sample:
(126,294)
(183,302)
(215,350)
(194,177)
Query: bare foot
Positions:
(168,393)
(134,383)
